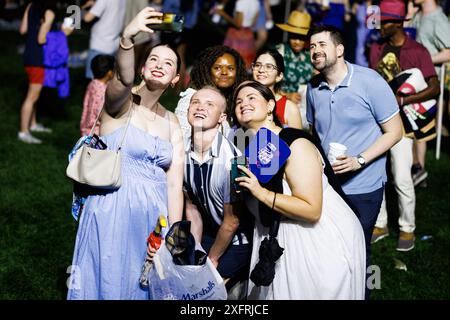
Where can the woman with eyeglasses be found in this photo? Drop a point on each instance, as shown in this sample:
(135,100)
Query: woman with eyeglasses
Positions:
(268,69)
(298,67)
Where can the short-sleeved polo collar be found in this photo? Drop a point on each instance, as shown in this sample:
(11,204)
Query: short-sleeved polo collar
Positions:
(214,151)
(345,83)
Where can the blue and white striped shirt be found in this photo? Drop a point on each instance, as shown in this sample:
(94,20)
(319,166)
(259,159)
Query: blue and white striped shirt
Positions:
(207,182)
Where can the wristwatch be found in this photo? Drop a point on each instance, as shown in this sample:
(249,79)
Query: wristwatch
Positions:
(361,160)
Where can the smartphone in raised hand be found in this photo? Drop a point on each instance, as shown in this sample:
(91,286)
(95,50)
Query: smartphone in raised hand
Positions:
(235,172)
(171,22)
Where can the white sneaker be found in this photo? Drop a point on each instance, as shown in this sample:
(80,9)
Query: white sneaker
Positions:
(40,128)
(28,138)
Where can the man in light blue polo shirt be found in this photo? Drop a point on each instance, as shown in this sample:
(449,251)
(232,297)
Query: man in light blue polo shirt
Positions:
(353,106)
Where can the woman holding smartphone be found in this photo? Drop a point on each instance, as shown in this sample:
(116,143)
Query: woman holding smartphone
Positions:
(323,241)
(114,225)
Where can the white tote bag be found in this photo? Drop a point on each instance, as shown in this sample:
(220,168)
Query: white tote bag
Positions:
(168,281)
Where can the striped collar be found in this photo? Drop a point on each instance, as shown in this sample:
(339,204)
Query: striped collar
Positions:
(214,150)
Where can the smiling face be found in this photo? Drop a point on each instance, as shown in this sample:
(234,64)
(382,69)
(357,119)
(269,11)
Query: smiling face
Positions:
(206,109)
(251,108)
(223,71)
(263,74)
(324,52)
(160,69)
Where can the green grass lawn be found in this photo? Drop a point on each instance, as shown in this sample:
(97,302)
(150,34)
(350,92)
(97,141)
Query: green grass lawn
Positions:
(37,230)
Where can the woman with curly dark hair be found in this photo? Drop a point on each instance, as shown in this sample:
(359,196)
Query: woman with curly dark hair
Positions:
(219,66)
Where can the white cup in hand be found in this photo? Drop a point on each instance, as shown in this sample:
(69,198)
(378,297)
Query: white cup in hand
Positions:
(336,150)
(68,22)
(216,17)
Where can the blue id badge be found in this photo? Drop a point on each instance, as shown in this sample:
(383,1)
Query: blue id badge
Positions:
(266,154)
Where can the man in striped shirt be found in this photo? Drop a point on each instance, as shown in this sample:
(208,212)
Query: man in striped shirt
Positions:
(220,225)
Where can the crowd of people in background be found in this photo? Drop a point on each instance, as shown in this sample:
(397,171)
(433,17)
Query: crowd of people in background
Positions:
(331,71)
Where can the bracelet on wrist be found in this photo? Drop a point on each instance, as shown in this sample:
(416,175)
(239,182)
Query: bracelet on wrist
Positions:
(274,198)
(124,47)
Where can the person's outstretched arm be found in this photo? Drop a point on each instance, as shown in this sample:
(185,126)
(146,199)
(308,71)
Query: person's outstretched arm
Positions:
(119,88)
(225,234)
(230,223)
(175,172)
(49,17)
(24,24)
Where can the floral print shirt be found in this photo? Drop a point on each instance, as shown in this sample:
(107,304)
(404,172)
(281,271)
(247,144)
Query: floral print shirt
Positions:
(298,68)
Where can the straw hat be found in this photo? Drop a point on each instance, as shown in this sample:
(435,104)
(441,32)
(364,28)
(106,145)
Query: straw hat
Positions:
(299,22)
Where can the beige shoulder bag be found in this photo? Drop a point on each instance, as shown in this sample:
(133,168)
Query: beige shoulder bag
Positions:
(98,168)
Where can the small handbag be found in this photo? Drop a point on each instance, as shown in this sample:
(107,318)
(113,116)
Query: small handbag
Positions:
(97,168)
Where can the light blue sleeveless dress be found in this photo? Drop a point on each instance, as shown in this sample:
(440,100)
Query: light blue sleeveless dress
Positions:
(111,243)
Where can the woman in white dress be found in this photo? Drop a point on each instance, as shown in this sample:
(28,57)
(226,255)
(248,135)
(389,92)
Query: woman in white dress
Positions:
(323,241)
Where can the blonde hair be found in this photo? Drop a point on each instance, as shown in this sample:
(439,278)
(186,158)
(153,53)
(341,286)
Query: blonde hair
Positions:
(216,90)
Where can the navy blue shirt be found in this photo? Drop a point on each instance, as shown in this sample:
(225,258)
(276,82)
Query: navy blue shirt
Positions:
(33,55)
